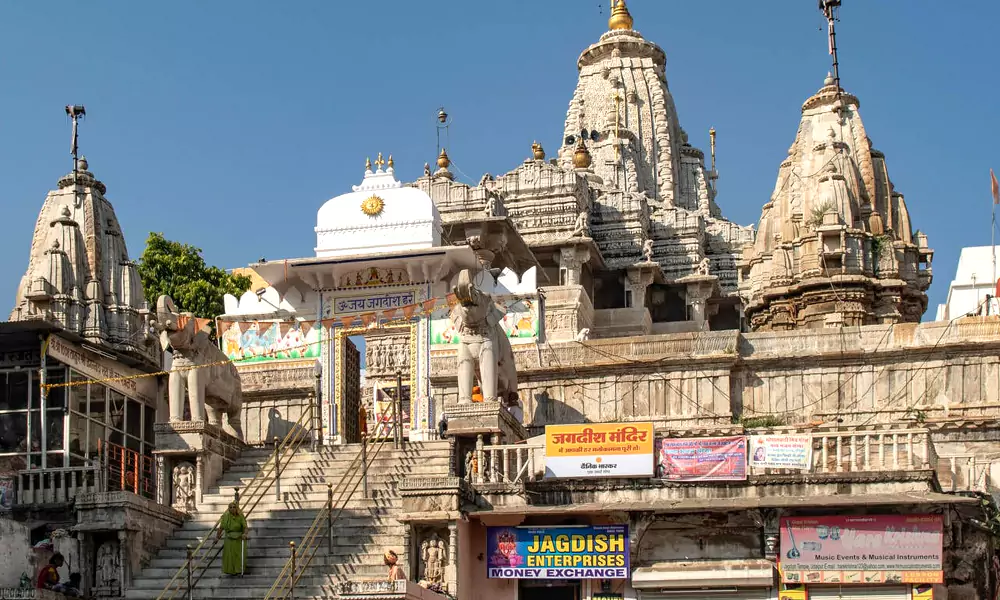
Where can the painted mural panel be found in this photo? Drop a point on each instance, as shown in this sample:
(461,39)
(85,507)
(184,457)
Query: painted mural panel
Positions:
(260,341)
(520,321)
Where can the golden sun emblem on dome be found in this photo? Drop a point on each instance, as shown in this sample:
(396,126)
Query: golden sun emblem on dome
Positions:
(372,206)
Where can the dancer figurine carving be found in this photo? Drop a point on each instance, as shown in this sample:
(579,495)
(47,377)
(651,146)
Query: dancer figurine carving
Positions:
(233,527)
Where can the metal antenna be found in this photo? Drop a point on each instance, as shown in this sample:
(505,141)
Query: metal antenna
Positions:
(831,10)
(444,122)
(75,112)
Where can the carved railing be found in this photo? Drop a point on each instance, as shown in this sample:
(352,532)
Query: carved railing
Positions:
(965,473)
(55,485)
(865,451)
(875,450)
(504,464)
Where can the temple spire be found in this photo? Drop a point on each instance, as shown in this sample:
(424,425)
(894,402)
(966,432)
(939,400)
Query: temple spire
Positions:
(831,10)
(620,17)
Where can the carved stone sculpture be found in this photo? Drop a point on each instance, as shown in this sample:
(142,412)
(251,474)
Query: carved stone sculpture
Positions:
(434,556)
(647,250)
(484,346)
(184,487)
(107,571)
(583,335)
(582,225)
(470,465)
(704,266)
(213,389)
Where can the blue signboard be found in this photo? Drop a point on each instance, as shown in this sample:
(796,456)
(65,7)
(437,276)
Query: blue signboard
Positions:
(589,552)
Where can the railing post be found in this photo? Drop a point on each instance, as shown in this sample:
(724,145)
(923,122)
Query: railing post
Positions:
(364,466)
(317,408)
(329,517)
(236,496)
(397,420)
(190,556)
(291,575)
(277,471)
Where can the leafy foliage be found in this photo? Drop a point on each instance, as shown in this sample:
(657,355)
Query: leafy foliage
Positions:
(762,421)
(179,271)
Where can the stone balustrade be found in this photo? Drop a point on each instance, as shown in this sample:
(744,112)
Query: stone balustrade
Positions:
(55,485)
(507,464)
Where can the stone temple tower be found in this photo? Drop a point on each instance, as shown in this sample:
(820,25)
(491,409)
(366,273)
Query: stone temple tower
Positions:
(623,112)
(835,245)
(79,276)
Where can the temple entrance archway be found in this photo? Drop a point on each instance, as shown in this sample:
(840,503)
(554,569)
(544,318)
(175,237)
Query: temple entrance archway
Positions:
(390,358)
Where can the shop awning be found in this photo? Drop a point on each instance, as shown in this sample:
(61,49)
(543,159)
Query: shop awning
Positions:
(707,574)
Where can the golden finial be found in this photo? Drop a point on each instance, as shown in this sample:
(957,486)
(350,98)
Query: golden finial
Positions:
(537,151)
(581,158)
(379,162)
(390,163)
(368,164)
(620,18)
(443,160)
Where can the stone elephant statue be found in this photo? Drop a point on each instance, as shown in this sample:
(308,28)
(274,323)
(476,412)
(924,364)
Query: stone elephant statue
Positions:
(214,390)
(484,348)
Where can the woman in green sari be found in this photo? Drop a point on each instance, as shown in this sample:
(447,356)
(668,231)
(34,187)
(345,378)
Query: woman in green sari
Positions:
(234,549)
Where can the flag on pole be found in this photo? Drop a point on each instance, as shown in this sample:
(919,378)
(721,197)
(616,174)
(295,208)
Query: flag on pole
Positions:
(994,187)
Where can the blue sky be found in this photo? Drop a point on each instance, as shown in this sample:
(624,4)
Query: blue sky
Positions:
(227,124)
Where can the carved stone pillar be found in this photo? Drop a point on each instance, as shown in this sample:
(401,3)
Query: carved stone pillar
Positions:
(571,261)
(199,477)
(162,481)
(637,281)
(451,572)
(699,290)
(124,562)
(87,551)
(408,565)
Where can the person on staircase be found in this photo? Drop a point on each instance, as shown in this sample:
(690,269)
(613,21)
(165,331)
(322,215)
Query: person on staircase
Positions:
(234,547)
(395,571)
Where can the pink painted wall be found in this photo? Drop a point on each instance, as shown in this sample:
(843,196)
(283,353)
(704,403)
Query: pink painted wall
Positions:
(472,581)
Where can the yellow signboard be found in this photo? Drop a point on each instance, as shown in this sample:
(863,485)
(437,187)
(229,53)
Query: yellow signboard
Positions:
(599,450)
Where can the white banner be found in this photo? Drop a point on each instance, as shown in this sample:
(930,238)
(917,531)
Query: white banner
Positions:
(781,451)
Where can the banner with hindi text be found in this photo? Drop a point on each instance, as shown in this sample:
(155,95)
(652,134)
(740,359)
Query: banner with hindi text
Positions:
(599,450)
(702,459)
(781,451)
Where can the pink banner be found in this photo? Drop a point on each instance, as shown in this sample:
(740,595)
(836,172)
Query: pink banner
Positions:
(863,549)
(702,459)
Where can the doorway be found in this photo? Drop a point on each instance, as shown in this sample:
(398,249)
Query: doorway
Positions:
(548,589)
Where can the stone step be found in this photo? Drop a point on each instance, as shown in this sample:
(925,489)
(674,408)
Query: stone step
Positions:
(163,571)
(331,473)
(232,587)
(266,527)
(279,539)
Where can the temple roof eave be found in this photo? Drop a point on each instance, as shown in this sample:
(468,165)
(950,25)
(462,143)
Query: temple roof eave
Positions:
(424,265)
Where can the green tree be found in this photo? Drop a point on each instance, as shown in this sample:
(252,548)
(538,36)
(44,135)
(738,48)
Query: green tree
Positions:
(179,271)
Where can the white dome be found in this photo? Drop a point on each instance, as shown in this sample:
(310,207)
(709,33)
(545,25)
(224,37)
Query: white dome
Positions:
(379,216)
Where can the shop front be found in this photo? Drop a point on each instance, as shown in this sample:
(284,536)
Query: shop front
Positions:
(560,562)
(862,557)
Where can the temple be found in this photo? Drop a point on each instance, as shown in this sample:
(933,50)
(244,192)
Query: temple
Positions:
(573,380)
(835,245)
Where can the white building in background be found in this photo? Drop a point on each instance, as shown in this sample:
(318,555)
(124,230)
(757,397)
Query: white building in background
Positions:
(973,282)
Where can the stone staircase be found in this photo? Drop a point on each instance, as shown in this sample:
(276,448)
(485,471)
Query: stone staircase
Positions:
(364,530)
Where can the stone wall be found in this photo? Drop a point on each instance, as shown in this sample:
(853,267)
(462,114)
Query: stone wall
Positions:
(274,397)
(15,552)
(861,375)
